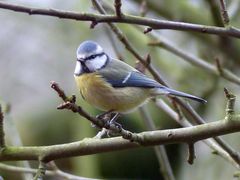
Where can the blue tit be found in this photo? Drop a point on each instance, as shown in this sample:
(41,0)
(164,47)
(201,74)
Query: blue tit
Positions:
(112,85)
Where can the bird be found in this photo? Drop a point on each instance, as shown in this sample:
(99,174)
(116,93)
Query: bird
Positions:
(112,85)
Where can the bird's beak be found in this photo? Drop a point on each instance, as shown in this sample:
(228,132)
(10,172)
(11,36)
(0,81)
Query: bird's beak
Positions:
(78,68)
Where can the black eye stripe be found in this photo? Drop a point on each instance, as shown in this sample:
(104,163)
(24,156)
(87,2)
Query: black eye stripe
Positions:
(93,56)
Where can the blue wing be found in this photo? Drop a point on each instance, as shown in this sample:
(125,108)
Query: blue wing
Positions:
(133,79)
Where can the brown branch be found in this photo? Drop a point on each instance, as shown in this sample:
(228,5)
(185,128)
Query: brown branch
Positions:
(192,59)
(218,146)
(190,111)
(129,19)
(230,102)
(224,12)
(191,153)
(100,123)
(92,146)
(118,4)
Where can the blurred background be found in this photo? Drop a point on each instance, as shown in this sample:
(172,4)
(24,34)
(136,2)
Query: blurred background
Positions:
(35,50)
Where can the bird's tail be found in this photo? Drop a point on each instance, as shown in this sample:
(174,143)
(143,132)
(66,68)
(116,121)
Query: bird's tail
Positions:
(168,91)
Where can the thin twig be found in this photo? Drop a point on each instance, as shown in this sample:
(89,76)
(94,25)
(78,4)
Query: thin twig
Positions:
(41,171)
(118,4)
(113,43)
(230,102)
(153,23)
(224,12)
(166,44)
(219,67)
(191,153)
(100,123)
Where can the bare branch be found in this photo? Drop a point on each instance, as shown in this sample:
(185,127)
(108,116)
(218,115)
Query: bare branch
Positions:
(92,146)
(223,72)
(224,12)
(41,171)
(218,145)
(191,153)
(118,5)
(153,23)
(70,104)
(230,102)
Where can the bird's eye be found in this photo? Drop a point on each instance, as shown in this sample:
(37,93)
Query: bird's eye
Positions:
(93,56)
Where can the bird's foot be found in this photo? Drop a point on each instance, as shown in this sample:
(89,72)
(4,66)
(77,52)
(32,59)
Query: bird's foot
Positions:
(105,115)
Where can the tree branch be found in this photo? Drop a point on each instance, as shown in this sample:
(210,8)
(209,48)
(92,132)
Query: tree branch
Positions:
(191,153)
(193,114)
(224,12)
(222,151)
(92,146)
(130,19)
(118,4)
(198,62)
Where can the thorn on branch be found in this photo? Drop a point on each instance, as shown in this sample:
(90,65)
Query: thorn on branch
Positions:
(149,29)
(2,140)
(191,153)
(230,102)
(117,5)
(93,24)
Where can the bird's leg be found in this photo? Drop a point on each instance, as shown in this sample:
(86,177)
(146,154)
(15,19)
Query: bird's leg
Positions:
(114,120)
(102,116)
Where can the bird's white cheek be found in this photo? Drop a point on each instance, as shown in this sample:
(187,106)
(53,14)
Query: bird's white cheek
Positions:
(78,68)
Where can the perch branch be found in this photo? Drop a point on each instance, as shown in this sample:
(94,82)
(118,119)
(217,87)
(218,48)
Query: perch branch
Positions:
(149,138)
(98,122)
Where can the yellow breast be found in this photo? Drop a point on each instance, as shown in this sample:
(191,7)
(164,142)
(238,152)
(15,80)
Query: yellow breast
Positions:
(102,95)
